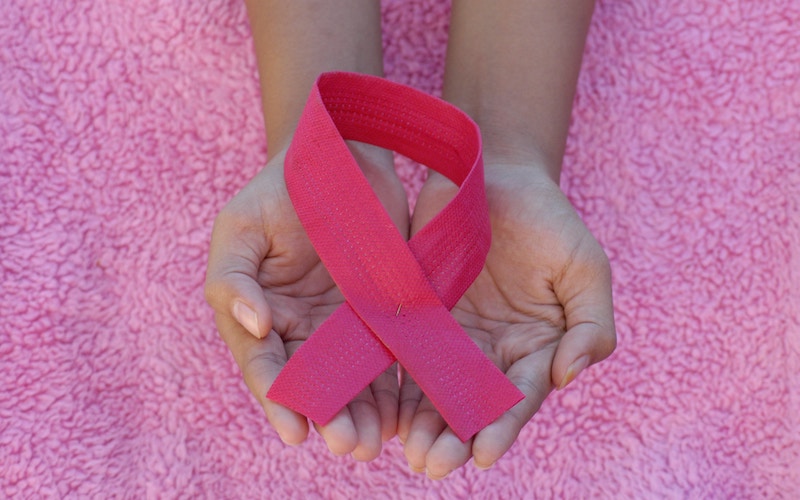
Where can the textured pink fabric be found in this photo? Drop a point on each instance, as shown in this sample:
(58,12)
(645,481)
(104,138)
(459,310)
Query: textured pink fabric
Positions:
(401,292)
(126,126)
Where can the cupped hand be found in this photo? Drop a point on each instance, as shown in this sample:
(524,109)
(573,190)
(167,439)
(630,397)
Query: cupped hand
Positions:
(270,292)
(541,309)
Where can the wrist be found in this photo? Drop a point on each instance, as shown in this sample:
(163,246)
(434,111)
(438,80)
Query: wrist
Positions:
(519,156)
(502,151)
(297,41)
(508,137)
(516,175)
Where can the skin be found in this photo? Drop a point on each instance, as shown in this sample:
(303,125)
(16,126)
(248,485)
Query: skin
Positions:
(260,256)
(541,308)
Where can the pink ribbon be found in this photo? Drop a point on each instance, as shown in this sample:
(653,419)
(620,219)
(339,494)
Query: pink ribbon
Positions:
(398,294)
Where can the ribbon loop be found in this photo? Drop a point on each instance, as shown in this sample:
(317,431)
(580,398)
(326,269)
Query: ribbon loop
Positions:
(398,294)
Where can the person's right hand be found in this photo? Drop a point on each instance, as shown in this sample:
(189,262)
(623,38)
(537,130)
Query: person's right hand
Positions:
(270,292)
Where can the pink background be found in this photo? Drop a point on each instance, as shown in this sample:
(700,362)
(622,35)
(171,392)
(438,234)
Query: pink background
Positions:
(125,127)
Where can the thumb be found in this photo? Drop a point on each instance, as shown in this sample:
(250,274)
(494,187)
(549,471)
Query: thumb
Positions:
(585,292)
(237,249)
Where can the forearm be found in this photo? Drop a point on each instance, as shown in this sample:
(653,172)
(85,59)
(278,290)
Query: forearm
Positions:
(296,40)
(513,66)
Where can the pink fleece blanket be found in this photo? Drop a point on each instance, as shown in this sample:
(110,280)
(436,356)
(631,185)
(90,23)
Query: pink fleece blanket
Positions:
(125,127)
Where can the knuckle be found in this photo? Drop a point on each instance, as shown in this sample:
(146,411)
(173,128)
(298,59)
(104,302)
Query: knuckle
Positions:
(216,292)
(532,388)
(385,394)
(256,362)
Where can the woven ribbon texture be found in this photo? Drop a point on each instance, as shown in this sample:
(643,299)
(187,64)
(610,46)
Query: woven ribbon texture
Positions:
(398,294)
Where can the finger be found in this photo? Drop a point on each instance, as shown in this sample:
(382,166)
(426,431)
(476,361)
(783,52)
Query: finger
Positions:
(367,424)
(339,433)
(359,428)
(238,246)
(585,292)
(435,194)
(386,392)
(425,428)
(260,361)
(410,396)
(447,454)
(531,375)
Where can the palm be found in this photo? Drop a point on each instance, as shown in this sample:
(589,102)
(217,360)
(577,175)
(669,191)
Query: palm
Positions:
(519,307)
(299,290)
(296,284)
(260,247)
(512,310)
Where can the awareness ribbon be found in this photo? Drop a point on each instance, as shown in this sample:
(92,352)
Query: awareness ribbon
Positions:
(398,294)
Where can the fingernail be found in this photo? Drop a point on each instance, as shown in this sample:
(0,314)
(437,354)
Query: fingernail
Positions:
(284,440)
(289,442)
(246,317)
(482,467)
(436,477)
(416,469)
(574,369)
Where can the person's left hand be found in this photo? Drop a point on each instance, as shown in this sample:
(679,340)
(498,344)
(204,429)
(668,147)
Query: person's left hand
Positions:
(541,309)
